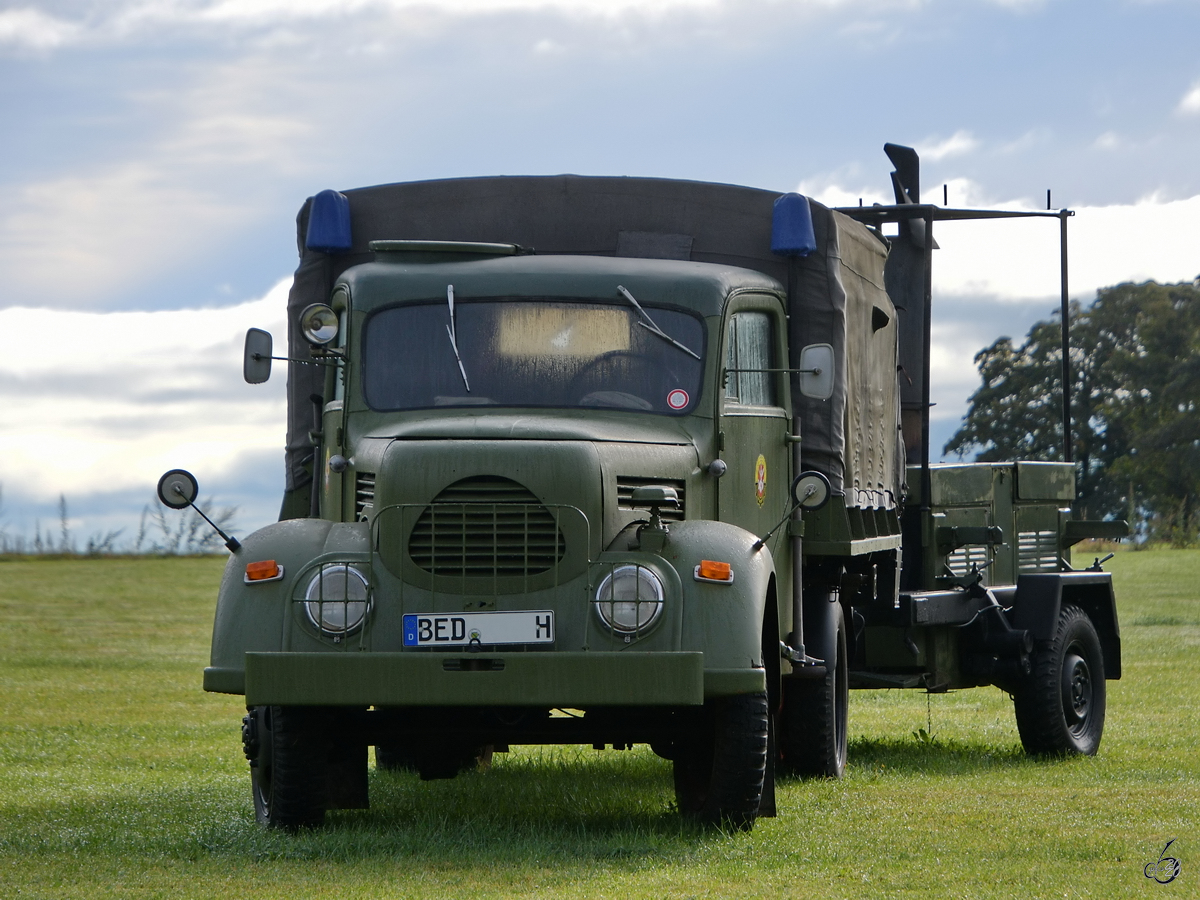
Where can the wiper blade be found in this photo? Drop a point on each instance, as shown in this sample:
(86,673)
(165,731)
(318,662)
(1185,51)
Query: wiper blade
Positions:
(453,339)
(650,325)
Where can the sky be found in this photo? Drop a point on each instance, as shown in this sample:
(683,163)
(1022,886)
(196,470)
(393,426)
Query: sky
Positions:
(155,153)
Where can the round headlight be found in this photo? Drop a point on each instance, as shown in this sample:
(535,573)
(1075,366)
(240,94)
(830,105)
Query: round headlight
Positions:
(629,599)
(336,599)
(318,324)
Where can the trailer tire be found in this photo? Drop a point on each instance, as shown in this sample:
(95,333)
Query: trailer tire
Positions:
(812,722)
(286,777)
(1060,706)
(720,764)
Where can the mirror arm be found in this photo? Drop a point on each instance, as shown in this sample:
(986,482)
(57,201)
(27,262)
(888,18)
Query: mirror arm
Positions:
(231,542)
(816,371)
(303,362)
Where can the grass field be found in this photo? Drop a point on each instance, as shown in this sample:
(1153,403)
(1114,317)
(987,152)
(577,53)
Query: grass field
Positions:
(119,777)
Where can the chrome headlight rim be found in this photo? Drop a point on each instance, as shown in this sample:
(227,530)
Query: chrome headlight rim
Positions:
(319,324)
(615,611)
(332,612)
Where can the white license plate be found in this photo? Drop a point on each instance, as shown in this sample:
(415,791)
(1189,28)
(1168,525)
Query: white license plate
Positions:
(487,628)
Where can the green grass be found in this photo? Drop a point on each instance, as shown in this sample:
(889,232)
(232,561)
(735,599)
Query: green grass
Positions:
(119,777)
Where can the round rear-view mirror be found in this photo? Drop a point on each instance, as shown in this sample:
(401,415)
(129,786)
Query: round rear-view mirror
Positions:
(178,488)
(811,490)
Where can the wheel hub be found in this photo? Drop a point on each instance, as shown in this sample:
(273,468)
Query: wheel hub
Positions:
(1076,688)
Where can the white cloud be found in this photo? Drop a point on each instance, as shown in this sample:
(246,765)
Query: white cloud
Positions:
(829,188)
(33,29)
(121,20)
(935,150)
(102,402)
(1019,259)
(80,235)
(29,27)
(82,238)
(1190,104)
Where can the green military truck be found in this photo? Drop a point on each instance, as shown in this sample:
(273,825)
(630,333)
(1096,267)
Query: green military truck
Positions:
(614,461)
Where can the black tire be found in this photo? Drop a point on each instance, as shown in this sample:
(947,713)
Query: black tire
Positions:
(285,750)
(812,722)
(1060,706)
(720,762)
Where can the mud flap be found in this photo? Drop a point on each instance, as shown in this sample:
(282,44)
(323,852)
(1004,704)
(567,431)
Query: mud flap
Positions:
(766,806)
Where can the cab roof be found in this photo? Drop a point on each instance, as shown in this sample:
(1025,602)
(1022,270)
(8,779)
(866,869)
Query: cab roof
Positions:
(702,287)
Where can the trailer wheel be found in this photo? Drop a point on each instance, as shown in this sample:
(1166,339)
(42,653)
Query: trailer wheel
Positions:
(285,754)
(721,763)
(812,732)
(1060,707)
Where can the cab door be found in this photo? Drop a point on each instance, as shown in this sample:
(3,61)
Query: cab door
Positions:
(754,421)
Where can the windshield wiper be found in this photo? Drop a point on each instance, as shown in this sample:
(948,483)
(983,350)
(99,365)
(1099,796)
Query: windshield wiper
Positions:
(453,339)
(651,326)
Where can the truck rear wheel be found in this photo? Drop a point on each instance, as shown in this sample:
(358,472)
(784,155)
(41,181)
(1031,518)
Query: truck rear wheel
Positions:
(812,725)
(1060,707)
(720,764)
(285,754)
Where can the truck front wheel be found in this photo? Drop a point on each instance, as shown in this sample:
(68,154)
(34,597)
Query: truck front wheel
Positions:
(285,766)
(1060,706)
(812,724)
(720,762)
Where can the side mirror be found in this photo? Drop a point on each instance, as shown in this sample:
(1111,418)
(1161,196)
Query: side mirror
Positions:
(816,371)
(256,362)
(177,489)
(811,490)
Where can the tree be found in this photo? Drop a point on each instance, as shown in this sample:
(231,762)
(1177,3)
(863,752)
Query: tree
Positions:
(1135,360)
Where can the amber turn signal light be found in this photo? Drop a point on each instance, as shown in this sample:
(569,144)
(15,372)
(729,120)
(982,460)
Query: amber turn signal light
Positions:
(717,571)
(259,571)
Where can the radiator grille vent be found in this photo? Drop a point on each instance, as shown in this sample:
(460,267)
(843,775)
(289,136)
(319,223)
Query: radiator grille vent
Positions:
(364,493)
(486,527)
(962,560)
(1037,551)
(627,483)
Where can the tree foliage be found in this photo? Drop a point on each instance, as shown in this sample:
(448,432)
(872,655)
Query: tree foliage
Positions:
(1135,403)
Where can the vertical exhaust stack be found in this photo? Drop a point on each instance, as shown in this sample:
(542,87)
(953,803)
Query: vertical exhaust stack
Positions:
(905,278)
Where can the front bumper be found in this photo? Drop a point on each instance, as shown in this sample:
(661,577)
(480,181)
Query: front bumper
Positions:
(571,680)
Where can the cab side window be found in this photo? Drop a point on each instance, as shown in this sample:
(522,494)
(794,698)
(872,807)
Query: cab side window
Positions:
(748,345)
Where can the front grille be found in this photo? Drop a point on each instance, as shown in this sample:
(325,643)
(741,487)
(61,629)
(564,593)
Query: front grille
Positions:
(1037,551)
(364,493)
(627,483)
(486,527)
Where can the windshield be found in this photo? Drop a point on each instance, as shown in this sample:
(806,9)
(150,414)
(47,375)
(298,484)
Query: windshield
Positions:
(532,352)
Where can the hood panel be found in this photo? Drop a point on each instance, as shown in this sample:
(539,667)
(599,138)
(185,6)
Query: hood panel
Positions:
(509,515)
(534,426)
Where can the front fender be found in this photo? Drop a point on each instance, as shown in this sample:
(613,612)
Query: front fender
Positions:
(255,617)
(724,621)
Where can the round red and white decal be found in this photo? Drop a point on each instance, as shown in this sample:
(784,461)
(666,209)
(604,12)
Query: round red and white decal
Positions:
(678,399)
